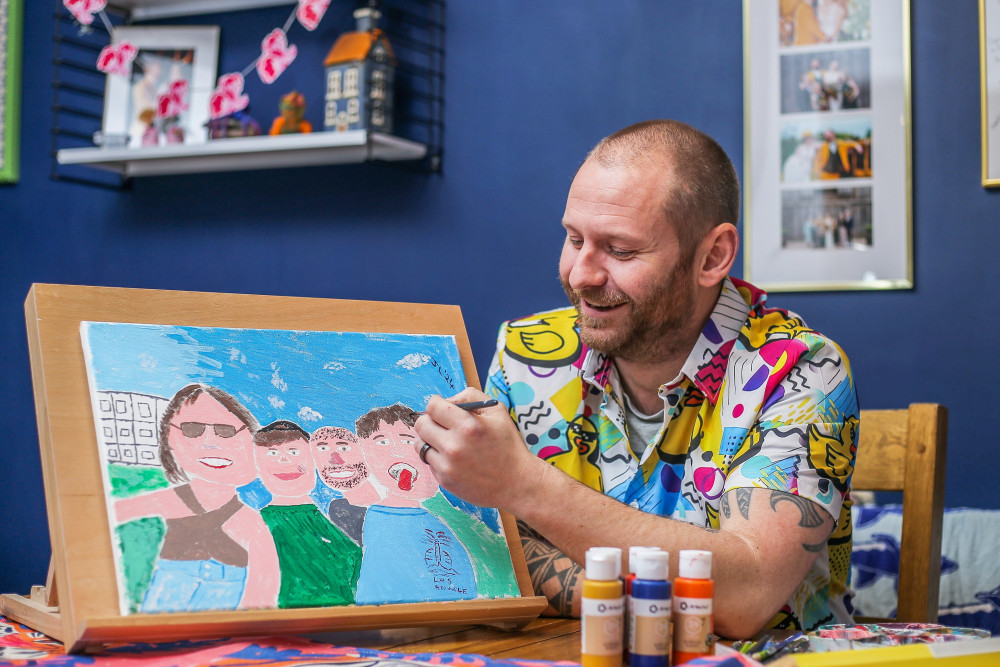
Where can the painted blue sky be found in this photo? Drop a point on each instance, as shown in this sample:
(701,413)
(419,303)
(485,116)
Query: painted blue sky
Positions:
(312,378)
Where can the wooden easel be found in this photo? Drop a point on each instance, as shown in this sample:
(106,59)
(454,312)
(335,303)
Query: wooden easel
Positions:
(79,603)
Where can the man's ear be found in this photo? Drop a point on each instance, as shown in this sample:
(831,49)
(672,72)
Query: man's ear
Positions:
(716,254)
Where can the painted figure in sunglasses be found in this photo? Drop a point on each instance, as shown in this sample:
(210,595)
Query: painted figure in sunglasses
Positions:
(212,542)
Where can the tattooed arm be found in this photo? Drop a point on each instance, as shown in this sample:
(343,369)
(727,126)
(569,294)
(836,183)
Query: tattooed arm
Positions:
(759,557)
(553,573)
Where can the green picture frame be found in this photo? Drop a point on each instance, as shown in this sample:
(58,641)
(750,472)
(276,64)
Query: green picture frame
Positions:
(11,21)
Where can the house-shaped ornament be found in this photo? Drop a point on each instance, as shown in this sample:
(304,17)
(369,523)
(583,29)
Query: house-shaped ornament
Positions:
(359,77)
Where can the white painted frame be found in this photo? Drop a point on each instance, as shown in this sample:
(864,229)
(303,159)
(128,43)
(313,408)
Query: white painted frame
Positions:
(202,40)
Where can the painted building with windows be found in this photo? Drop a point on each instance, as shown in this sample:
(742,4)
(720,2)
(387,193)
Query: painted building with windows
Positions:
(127,426)
(360,69)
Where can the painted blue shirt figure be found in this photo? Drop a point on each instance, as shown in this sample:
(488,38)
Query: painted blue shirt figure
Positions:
(409,554)
(421,561)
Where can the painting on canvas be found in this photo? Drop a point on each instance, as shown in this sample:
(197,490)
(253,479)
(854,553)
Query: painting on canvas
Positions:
(258,468)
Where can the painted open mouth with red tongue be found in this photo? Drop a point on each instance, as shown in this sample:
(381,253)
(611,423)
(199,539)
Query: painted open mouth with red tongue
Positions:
(404,474)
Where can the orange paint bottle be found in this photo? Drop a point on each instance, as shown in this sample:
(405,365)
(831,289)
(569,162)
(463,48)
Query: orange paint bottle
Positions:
(694,591)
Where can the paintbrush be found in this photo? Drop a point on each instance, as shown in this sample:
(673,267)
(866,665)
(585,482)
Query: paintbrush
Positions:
(474,405)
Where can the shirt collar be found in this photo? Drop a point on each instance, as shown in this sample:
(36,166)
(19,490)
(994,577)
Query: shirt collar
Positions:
(706,364)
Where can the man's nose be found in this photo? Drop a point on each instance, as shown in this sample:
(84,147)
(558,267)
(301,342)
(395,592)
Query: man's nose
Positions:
(587,269)
(335,459)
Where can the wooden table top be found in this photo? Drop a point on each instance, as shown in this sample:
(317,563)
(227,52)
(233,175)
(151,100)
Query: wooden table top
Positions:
(541,639)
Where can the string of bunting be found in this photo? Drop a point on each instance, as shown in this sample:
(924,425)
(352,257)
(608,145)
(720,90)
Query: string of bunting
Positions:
(228,97)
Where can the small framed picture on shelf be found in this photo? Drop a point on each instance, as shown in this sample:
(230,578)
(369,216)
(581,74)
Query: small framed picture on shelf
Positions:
(827,148)
(161,97)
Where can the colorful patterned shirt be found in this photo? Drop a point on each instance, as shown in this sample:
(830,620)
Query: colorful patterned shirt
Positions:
(762,401)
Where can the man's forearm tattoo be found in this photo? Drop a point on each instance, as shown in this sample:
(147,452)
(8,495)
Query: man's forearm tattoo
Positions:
(553,573)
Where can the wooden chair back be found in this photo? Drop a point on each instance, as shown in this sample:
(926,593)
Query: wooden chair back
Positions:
(904,450)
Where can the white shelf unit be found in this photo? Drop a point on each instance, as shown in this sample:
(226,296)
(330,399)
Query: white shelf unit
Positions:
(241,153)
(147,10)
(266,152)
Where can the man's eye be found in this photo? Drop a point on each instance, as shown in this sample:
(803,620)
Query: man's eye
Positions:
(622,254)
(383,441)
(407,442)
(273,452)
(344,448)
(323,447)
(293,451)
(576,243)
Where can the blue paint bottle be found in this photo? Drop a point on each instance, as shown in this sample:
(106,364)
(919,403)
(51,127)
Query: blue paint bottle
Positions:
(649,626)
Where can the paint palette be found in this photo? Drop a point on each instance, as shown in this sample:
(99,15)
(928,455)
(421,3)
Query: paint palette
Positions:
(892,634)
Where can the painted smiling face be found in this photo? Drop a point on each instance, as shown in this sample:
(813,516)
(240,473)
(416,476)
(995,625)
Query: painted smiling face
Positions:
(338,457)
(392,459)
(209,442)
(286,468)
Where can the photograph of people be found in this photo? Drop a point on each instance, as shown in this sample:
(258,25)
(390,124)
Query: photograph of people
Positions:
(803,22)
(818,149)
(827,218)
(826,81)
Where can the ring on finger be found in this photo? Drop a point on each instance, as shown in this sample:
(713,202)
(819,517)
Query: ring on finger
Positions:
(423,452)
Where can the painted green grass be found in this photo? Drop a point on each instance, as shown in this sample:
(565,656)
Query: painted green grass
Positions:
(132,480)
(139,540)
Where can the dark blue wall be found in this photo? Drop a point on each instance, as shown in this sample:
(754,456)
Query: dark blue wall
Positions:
(530,87)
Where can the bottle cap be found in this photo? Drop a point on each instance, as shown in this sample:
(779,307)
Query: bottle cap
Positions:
(604,563)
(633,553)
(652,565)
(695,564)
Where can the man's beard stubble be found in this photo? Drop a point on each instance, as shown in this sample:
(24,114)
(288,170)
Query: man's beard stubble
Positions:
(657,326)
(340,483)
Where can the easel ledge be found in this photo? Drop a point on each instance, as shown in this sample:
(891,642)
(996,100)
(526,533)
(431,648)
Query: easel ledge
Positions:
(95,632)
(85,613)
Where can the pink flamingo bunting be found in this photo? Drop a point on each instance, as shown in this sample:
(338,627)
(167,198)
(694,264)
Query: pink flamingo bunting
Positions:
(173,102)
(310,12)
(84,10)
(228,97)
(275,56)
(117,58)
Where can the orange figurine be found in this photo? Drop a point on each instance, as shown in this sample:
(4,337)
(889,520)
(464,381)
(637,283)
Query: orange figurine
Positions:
(291,121)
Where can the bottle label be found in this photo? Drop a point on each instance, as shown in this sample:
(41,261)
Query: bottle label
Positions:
(692,625)
(601,626)
(649,632)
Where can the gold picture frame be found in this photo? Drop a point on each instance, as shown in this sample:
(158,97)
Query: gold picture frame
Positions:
(989,81)
(826,86)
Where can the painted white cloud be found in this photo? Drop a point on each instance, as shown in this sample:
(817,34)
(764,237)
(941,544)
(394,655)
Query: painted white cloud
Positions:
(333,366)
(146,360)
(309,415)
(412,361)
(235,355)
(275,402)
(276,380)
